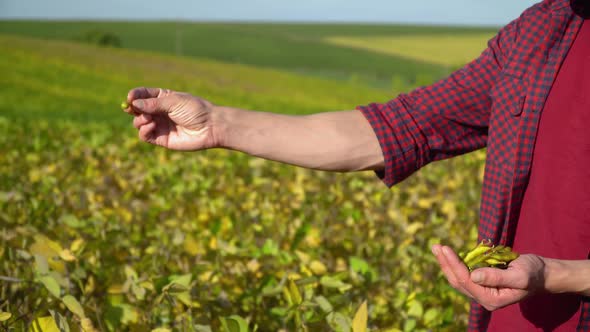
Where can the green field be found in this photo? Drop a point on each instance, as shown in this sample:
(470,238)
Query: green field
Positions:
(300,48)
(44,78)
(447,50)
(143,238)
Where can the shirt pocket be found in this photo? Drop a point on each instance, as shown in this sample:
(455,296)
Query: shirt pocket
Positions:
(508,98)
(508,95)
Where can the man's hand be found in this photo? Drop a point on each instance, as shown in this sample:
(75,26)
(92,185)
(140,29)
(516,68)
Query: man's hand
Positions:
(174,120)
(493,288)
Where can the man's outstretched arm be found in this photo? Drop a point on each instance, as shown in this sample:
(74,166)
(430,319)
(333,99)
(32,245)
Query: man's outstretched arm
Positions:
(333,141)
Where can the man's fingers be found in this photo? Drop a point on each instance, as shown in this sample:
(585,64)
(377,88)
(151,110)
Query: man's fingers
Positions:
(154,105)
(141,120)
(444,266)
(480,293)
(459,272)
(146,132)
(447,269)
(142,93)
(491,277)
(129,110)
(456,266)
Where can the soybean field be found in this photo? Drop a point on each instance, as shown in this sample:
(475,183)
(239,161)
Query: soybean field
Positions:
(100,232)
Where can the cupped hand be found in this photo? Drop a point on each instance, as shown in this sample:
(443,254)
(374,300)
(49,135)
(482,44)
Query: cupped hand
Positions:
(174,120)
(491,287)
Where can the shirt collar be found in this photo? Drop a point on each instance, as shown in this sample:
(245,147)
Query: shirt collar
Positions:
(560,6)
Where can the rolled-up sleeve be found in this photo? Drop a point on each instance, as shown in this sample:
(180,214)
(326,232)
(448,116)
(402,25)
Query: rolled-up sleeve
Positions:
(443,120)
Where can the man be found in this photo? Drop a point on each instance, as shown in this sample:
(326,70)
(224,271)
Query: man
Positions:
(526,98)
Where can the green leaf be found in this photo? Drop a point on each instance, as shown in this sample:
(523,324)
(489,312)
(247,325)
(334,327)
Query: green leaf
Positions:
(44,324)
(4,316)
(271,290)
(130,314)
(270,248)
(330,282)
(338,322)
(51,284)
(74,306)
(358,265)
(183,280)
(430,316)
(306,281)
(234,323)
(202,328)
(287,296)
(138,291)
(295,293)
(72,221)
(410,325)
(174,288)
(23,254)
(279,311)
(415,309)
(184,297)
(300,234)
(60,321)
(359,322)
(130,273)
(41,266)
(361,267)
(324,304)
(216,226)
(119,313)
(448,315)
(309,304)
(179,286)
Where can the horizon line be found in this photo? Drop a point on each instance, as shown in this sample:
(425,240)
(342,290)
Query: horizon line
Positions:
(253,21)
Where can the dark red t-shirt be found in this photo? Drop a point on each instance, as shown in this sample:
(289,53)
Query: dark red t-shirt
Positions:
(555,214)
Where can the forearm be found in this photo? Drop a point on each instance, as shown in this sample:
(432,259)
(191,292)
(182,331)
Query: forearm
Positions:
(565,276)
(335,141)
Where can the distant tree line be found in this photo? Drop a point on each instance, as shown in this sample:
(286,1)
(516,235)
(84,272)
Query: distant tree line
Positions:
(100,38)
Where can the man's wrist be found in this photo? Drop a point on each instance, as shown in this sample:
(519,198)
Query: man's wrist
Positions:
(553,275)
(567,276)
(220,122)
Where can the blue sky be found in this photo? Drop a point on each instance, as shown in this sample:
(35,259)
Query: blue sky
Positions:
(456,12)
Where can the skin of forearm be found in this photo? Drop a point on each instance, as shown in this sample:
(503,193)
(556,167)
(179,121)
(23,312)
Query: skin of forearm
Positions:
(333,141)
(567,276)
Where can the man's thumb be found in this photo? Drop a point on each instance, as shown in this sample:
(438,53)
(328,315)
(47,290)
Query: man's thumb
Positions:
(152,105)
(491,277)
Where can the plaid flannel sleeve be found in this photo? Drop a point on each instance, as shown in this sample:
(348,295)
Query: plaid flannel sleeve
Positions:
(443,120)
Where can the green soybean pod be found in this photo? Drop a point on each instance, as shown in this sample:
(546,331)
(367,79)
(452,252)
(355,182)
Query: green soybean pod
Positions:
(475,253)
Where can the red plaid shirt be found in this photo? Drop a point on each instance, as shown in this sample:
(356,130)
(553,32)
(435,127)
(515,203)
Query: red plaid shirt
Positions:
(494,102)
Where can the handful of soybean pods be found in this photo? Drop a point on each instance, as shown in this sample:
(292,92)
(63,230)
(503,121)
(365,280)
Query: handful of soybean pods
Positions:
(487,255)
